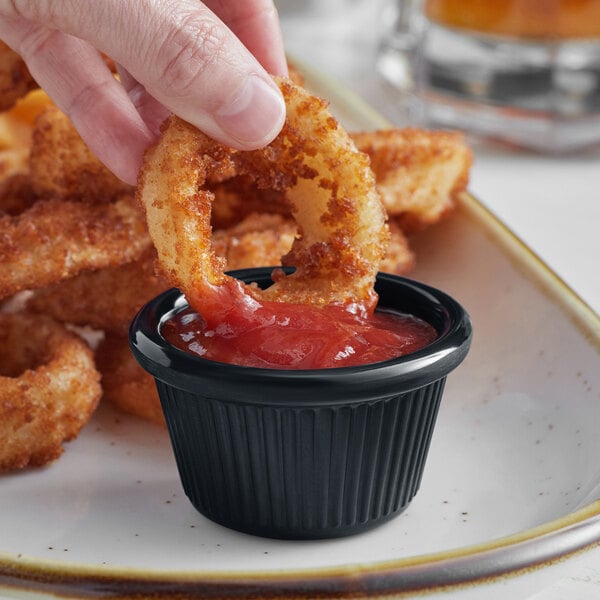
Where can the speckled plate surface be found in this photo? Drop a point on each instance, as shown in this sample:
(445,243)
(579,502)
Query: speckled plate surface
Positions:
(511,488)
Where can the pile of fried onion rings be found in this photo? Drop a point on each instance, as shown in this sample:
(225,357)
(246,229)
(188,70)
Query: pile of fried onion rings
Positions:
(49,381)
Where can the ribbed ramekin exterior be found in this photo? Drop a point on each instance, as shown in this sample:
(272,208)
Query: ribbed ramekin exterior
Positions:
(301,472)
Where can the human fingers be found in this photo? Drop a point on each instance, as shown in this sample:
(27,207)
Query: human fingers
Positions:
(179,51)
(76,77)
(256,24)
(153,113)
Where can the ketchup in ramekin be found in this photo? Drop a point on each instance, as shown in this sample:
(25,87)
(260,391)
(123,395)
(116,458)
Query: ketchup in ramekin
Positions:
(301,452)
(288,336)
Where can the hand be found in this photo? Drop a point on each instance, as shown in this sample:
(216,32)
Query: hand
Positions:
(208,63)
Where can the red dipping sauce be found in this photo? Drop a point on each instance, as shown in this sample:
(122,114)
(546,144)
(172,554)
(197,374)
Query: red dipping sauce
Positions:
(286,336)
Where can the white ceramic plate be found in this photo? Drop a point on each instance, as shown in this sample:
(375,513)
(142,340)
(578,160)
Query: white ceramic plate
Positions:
(511,486)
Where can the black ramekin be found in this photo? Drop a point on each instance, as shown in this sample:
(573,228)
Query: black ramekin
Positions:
(303,454)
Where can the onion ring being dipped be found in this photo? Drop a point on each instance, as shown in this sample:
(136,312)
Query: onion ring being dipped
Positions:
(329,186)
(49,387)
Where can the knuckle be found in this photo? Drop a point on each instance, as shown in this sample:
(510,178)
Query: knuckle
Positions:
(189,52)
(85,101)
(35,42)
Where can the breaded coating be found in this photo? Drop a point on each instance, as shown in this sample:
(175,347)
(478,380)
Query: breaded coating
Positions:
(419,173)
(62,166)
(399,259)
(56,239)
(49,388)
(329,186)
(106,299)
(16,127)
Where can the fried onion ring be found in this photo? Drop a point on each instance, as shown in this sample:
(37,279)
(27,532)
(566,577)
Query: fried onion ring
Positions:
(399,258)
(55,239)
(125,384)
(62,166)
(342,233)
(16,194)
(419,173)
(105,299)
(108,299)
(49,387)
(16,127)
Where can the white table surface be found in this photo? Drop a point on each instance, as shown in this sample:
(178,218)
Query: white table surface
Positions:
(551,203)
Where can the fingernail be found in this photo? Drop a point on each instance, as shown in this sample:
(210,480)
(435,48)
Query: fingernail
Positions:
(255,115)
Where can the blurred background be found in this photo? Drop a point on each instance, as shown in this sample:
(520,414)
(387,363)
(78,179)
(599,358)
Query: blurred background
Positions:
(526,72)
(342,38)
